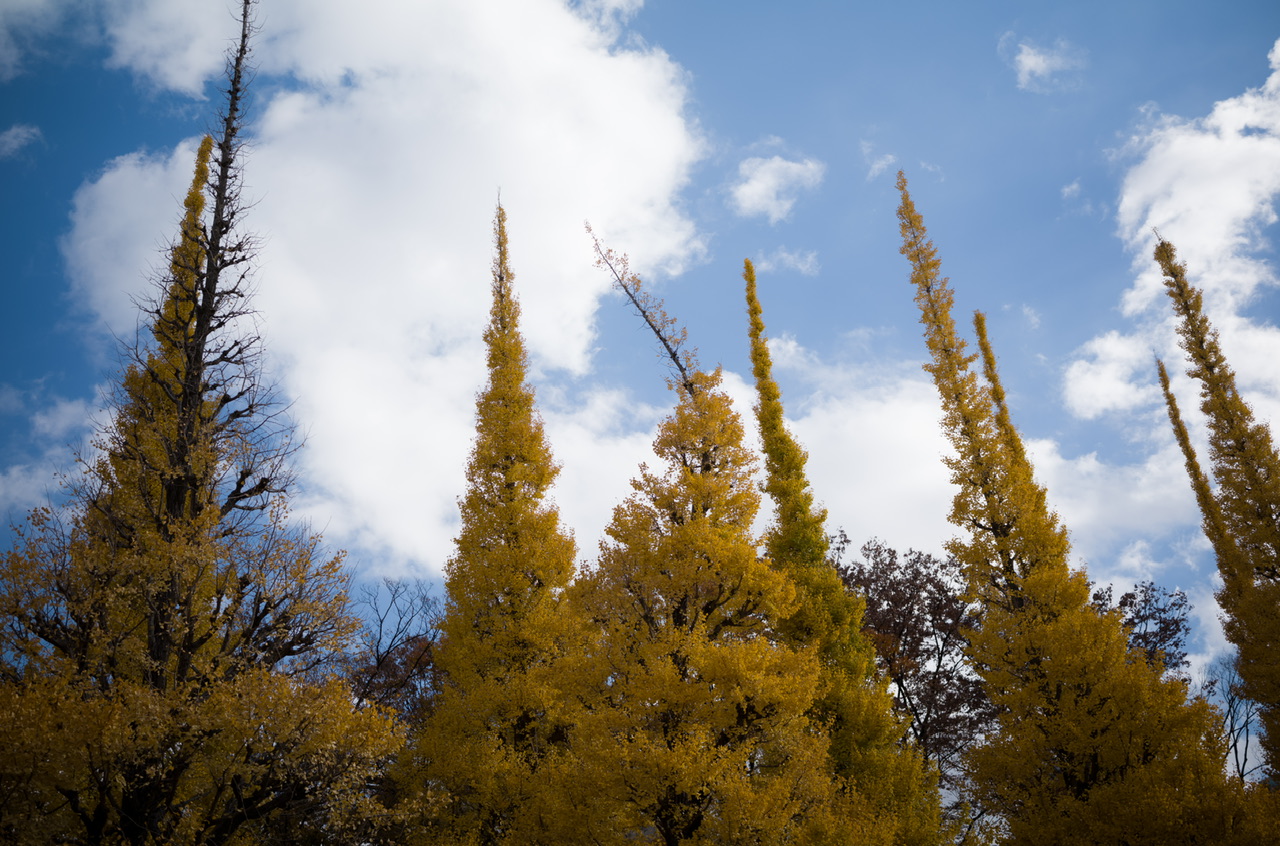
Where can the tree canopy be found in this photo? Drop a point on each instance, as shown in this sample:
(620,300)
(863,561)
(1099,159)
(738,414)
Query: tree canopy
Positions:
(181,662)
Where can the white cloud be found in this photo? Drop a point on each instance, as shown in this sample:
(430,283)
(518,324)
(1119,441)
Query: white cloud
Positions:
(60,430)
(174,45)
(13,139)
(1109,507)
(31,484)
(600,440)
(1070,192)
(22,21)
(875,445)
(375,183)
(877,165)
(1209,185)
(1043,69)
(1031,316)
(803,262)
(1114,373)
(61,419)
(770,187)
(120,226)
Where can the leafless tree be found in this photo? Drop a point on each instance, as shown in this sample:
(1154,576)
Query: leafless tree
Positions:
(1220,683)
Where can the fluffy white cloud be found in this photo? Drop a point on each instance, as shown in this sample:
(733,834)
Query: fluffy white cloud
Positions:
(877,165)
(1042,69)
(174,45)
(121,225)
(62,419)
(60,430)
(1109,507)
(23,19)
(1209,185)
(803,262)
(1112,374)
(13,139)
(874,443)
(375,178)
(770,187)
(600,441)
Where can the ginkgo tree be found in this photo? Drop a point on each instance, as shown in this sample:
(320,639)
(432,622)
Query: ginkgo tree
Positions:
(1242,517)
(498,726)
(1092,743)
(853,703)
(697,728)
(163,658)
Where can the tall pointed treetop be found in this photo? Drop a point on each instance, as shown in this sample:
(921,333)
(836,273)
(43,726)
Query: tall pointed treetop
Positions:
(981,466)
(854,703)
(1087,726)
(1242,516)
(799,534)
(499,715)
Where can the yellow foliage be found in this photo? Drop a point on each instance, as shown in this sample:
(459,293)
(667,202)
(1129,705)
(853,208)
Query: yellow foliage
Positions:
(499,725)
(1242,517)
(162,660)
(854,703)
(696,729)
(1093,745)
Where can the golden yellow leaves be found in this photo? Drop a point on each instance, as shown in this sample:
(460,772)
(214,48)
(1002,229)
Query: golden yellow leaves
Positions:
(1086,723)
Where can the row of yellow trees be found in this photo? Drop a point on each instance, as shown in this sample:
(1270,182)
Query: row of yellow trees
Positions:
(175,658)
(684,689)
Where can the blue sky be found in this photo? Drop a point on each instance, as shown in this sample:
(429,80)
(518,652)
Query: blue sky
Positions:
(1042,142)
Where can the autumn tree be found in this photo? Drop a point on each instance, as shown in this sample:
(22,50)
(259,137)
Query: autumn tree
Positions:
(854,704)
(1093,743)
(392,661)
(497,725)
(164,649)
(1220,683)
(698,730)
(1241,517)
(918,621)
(1156,620)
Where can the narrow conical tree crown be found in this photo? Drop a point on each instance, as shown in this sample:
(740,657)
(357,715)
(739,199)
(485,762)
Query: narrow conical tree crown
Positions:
(989,466)
(1093,745)
(494,580)
(499,717)
(158,455)
(1242,517)
(854,703)
(798,535)
(163,661)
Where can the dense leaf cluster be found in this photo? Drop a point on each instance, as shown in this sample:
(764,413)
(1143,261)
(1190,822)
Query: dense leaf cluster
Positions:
(180,662)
